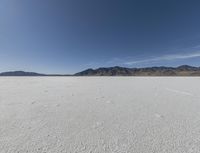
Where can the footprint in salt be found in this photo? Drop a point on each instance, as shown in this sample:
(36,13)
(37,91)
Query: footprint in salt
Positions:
(158,116)
(33,102)
(97,125)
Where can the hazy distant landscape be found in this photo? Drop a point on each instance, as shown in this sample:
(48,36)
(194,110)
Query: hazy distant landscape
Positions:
(184,70)
(99,114)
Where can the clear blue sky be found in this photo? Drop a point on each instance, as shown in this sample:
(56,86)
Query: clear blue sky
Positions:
(66,36)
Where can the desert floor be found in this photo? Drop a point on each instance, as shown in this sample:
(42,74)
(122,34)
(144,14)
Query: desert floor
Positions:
(99,114)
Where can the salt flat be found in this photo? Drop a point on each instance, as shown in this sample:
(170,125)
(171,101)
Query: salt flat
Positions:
(99,114)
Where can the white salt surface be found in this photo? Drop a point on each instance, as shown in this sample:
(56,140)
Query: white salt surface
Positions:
(99,115)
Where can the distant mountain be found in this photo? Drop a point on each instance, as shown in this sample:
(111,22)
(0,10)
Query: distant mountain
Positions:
(20,73)
(23,73)
(184,70)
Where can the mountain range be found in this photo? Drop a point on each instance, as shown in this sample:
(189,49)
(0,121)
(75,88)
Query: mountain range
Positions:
(183,70)
(23,73)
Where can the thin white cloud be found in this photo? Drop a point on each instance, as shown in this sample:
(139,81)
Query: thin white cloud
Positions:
(166,58)
(197,47)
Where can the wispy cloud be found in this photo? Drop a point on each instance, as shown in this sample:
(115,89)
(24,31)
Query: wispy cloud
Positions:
(165,57)
(196,47)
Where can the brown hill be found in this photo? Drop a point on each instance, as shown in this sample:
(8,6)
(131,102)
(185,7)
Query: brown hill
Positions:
(184,70)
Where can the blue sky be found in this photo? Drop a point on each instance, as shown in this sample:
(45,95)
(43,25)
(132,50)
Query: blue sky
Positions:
(67,36)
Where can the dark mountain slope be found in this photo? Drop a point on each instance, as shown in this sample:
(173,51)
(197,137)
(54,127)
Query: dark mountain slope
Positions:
(20,73)
(184,70)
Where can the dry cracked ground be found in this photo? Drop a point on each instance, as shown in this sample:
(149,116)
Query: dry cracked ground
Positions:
(99,114)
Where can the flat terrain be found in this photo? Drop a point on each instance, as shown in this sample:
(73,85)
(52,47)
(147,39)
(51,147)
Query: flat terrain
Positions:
(99,114)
